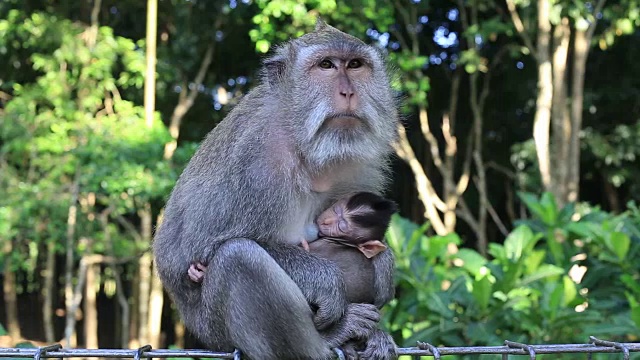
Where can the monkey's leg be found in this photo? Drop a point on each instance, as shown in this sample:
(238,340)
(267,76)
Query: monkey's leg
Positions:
(384,267)
(262,310)
(321,283)
(380,345)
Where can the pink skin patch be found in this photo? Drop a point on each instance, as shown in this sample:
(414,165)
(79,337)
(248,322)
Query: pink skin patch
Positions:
(196,272)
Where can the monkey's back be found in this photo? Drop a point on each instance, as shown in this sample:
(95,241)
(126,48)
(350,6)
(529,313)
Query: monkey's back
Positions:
(357,271)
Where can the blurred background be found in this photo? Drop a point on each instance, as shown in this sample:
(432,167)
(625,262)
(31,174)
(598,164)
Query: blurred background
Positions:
(516,171)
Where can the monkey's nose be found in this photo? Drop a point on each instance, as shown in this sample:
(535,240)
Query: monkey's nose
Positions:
(325,221)
(347,91)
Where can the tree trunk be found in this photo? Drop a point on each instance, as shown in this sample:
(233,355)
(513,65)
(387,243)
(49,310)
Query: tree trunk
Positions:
(451,194)
(134,338)
(481,183)
(145,276)
(90,309)
(186,99)
(74,304)
(156,302)
(560,114)
(144,286)
(178,329)
(155,312)
(150,73)
(70,336)
(580,53)
(48,292)
(124,309)
(545,93)
(10,294)
(426,192)
(611,194)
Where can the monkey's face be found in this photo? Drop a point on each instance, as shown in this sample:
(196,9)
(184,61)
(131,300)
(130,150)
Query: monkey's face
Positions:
(333,223)
(342,101)
(339,221)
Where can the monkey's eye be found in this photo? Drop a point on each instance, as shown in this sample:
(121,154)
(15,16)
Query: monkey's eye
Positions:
(354,64)
(343,226)
(326,64)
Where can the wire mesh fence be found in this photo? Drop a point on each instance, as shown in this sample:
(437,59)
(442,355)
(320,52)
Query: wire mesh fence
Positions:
(594,346)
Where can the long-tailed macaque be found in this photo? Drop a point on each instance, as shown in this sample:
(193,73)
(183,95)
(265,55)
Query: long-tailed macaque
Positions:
(350,234)
(319,126)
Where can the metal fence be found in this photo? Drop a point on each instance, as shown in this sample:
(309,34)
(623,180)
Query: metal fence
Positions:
(422,349)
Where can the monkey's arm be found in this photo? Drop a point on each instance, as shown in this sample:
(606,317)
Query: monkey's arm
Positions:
(384,267)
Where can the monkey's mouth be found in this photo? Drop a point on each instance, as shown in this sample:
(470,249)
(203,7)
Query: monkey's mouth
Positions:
(343,121)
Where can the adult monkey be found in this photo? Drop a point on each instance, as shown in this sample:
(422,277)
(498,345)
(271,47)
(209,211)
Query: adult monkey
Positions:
(318,127)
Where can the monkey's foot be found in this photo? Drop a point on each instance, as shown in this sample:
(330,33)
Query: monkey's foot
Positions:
(380,346)
(196,272)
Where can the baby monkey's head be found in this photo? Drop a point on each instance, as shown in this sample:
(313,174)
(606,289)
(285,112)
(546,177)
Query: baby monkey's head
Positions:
(360,217)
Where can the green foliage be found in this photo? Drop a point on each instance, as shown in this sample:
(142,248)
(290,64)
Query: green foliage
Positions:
(554,279)
(616,153)
(71,127)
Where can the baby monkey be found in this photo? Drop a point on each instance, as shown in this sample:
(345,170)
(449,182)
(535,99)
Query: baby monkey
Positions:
(349,233)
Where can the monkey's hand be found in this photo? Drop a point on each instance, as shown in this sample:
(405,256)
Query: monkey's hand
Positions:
(359,322)
(380,346)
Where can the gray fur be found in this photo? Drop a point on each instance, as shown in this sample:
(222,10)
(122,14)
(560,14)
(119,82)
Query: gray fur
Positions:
(357,271)
(244,200)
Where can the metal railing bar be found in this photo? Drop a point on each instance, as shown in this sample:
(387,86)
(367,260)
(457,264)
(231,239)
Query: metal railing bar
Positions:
(422,349)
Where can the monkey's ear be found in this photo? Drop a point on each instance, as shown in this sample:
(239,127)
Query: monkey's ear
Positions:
(320,24)
(274,69)
(372,248)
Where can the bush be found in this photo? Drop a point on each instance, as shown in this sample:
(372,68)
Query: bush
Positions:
(559,276)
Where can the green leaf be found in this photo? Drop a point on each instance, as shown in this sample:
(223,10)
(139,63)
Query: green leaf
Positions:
(570,291)
(625,26)
(545,271)
(531,201)
(618,243)
(471,261)
(482,289)
(634,304)
(262,46)
(519,241)
(533,260)
(554,300)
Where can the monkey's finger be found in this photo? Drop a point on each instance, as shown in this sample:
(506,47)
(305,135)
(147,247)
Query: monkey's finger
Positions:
(201,267)
(367,311)
(195,275)
(304,244)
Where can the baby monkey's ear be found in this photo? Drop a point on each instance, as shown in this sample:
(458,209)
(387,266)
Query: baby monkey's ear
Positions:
(372,248)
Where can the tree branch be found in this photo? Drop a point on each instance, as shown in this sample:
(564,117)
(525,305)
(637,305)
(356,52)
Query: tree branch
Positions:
(592,26)
(522,32)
